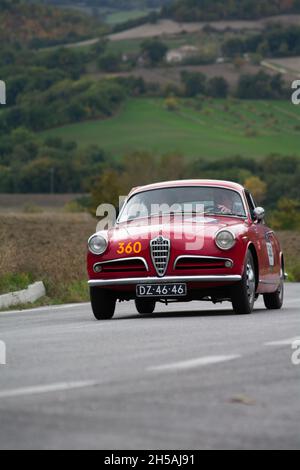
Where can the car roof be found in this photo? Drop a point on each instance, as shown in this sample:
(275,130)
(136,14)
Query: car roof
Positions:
(189,183)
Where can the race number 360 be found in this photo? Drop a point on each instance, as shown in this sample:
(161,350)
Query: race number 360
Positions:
(129,248)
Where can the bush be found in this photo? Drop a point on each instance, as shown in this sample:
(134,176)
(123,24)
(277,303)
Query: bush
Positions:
(14,282)
(171,104)
(261,86)
(293,270)
(110,62)
(287,215)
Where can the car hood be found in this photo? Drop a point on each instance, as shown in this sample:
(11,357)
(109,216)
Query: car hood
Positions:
(176,227)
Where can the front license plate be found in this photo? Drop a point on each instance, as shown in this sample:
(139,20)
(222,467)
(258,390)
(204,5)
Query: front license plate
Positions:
(161,290)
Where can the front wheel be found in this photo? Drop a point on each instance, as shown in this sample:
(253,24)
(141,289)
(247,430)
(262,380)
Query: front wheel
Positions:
(103,303)
(275,301)
(145,307)
(243,294)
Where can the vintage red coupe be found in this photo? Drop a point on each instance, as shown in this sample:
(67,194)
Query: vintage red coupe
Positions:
(184,241)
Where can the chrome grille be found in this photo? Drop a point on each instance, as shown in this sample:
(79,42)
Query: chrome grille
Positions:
(160,252)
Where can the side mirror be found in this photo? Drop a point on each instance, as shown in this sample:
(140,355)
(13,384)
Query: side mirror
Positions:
(259,213)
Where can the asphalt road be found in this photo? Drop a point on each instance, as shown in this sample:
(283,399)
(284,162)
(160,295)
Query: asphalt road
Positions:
(191,376)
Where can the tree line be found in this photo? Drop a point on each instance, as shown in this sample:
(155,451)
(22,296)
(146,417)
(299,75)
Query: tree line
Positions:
(38,25)
(208,10)
(275,41)
(31,164)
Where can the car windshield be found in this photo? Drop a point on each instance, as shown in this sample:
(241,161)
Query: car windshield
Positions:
(183,200)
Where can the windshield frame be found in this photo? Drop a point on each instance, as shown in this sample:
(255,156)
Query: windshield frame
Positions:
(241,194)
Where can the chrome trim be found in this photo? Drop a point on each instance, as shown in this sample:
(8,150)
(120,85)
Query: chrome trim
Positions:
(269,283)
(125,260)
(215,258)
(97,235)
(161,280)
(161,239)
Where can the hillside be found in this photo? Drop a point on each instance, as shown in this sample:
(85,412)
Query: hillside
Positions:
(219,129)
(211,10)
(35,24)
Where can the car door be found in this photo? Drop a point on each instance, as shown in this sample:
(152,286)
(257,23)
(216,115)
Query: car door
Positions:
(261,237)
(273,251)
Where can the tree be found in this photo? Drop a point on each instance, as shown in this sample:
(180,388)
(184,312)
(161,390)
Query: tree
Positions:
(260,86)
(257,188)
(154,50)
(233,47)
(194,83)
(110,62)
(218,87)
(208,10)
(106,190)
(171,103)
(287,215)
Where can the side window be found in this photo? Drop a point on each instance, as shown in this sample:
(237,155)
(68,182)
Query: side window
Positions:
(251,203)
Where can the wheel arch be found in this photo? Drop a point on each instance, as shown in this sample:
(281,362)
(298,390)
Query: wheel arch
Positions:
(282,260)
(253,251)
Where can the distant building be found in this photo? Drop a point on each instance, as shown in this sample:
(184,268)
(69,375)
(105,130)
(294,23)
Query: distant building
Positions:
(176,56)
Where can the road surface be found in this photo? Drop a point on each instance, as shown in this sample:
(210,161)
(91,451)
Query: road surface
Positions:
(192,376)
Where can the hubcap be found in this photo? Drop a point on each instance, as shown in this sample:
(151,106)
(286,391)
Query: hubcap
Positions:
(250,282)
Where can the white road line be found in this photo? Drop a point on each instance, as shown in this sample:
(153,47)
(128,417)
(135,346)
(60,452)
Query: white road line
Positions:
(42,389)
(45,309)
(284,342)
(193,363)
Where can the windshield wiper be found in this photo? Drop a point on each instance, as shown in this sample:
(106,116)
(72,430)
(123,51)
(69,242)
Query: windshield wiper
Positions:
(227,214)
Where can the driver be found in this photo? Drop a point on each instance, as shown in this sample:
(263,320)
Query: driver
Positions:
(224,202)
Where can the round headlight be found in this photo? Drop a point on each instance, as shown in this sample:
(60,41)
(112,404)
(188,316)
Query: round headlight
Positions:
(97,244)
(225,240)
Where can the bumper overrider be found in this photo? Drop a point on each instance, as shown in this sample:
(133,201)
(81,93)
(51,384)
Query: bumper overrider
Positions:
(164,280)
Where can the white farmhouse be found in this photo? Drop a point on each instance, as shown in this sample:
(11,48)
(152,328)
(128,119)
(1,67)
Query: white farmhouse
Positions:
(176,56)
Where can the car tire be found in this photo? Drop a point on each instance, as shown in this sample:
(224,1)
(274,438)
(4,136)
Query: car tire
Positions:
(275,301)
(103,303)
(145,307)
(243,294)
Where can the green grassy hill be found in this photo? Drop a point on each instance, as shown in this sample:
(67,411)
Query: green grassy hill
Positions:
(122,16)
(219,129)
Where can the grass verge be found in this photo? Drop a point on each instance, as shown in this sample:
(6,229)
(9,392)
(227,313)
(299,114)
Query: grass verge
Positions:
(48,247)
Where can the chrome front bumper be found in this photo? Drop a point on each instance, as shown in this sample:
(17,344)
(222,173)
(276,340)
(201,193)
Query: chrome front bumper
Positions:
(161,280)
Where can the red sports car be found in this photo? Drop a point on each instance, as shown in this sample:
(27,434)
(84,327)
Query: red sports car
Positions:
(184,241)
